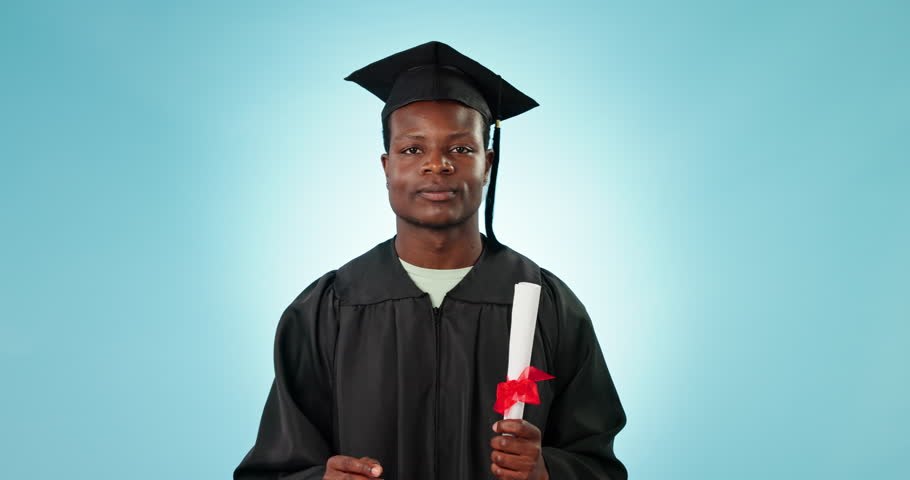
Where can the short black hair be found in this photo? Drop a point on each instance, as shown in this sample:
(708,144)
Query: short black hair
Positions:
(387,140)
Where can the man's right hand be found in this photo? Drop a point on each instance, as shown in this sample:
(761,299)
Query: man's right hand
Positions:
(341,467)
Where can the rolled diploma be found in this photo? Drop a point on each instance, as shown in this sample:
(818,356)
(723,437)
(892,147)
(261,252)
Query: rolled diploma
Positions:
(521,337)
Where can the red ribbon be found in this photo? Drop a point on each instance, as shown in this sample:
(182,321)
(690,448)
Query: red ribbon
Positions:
(522,389)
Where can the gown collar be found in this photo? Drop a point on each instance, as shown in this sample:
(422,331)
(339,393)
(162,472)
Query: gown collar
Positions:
(378,275)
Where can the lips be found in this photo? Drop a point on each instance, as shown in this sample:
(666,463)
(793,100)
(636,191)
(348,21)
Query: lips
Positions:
(436,193)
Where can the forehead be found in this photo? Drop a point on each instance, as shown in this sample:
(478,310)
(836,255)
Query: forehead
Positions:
(443,114)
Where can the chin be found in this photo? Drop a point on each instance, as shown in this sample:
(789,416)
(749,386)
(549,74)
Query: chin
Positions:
(436,222)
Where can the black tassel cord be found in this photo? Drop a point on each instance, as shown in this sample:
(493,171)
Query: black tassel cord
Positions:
(491,190)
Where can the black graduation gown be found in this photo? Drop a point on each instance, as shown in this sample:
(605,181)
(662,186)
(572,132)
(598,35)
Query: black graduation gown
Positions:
(365,366)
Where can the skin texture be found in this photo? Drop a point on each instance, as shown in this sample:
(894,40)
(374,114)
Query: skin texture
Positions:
(341,467)
(439,146)
(517,457)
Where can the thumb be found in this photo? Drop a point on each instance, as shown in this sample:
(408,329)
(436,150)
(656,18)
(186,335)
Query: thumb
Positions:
(375,463)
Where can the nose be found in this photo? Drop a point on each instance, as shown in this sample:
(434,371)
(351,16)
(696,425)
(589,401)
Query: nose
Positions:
(437,163)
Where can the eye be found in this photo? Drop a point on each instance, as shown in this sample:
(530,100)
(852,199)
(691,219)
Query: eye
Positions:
(462,149)
(411,151)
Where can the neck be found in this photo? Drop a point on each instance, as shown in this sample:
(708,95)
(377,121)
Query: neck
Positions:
(458,246)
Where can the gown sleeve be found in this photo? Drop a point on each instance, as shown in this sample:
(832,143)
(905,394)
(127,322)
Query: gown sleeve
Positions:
(586,414)
(295,433)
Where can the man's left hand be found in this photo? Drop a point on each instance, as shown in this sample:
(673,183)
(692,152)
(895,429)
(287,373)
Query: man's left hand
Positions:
(518,457)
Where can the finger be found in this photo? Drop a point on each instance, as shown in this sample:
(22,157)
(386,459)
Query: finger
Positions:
(507,474)
(519,463)
(515,445)
(372,461)
(519,428)
(343,463)
(334,474)
(376,468)
(338,475)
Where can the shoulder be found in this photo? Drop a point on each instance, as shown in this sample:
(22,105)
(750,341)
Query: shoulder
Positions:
(493,278)
(342,281)
(551,285)
(309,324)
(315,291)
(373,277)
(373,258)
(520,265)
(559,290)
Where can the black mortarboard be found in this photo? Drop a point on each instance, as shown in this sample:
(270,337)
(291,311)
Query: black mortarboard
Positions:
(436,71)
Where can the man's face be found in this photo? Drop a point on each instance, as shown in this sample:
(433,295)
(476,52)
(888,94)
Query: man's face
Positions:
(437,164)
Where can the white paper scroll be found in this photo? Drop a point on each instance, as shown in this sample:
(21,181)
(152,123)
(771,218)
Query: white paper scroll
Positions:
(521,337)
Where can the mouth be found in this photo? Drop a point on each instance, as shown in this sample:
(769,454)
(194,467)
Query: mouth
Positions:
(436,193)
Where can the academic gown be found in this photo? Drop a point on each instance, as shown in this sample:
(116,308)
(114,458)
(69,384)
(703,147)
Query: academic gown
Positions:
(365,366)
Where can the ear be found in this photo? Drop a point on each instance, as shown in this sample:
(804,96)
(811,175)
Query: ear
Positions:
(489,154)
(384,158)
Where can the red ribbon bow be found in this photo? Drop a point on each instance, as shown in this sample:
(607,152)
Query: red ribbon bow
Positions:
(522,389)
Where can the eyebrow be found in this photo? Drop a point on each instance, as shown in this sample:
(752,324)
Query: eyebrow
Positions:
(465,133)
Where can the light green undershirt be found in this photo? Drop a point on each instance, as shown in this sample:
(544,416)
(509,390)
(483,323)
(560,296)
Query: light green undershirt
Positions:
(435,282)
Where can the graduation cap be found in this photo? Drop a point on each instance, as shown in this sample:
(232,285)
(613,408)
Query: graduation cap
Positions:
(436,71)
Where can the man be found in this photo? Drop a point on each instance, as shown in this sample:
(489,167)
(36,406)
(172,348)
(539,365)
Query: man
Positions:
(388,367)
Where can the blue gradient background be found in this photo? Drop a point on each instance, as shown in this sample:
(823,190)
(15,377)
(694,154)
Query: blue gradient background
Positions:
(725,185)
